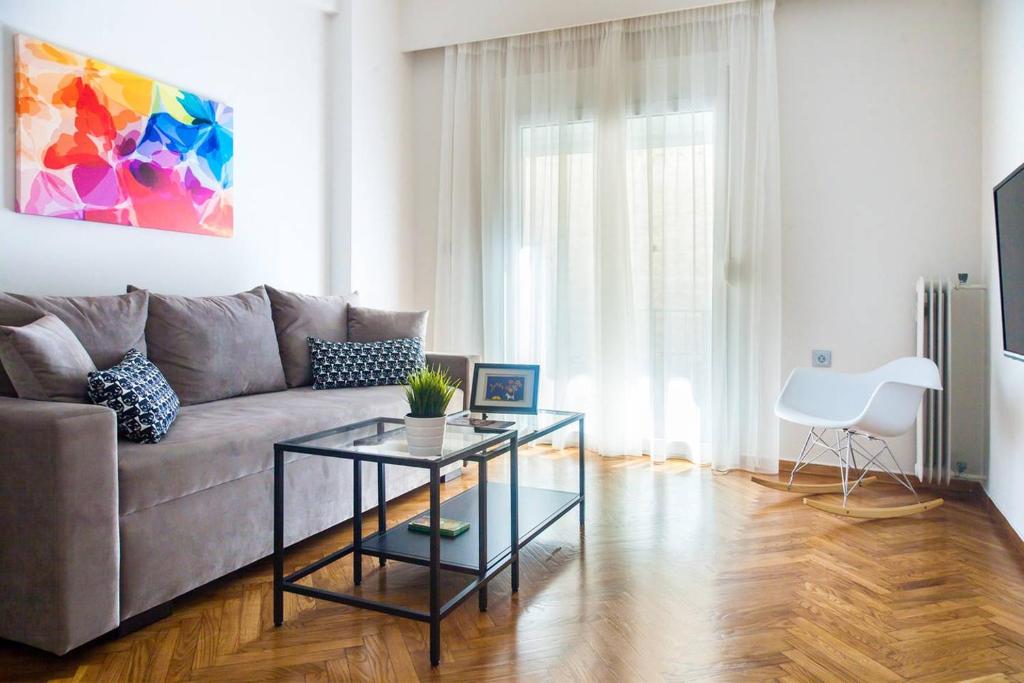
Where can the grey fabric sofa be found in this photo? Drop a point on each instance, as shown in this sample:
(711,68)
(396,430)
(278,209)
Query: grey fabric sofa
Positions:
(97,532)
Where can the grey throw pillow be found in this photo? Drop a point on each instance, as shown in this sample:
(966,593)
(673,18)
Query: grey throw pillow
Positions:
(107,326)
(45,361)
(300,316)
(374,324)
(214,347)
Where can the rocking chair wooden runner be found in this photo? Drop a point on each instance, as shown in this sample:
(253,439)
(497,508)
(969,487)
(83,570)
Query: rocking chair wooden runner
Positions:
(848,415)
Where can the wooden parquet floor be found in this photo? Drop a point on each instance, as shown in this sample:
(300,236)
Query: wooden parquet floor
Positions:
(682,575)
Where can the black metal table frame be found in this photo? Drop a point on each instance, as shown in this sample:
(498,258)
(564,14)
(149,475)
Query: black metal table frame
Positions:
(486,569)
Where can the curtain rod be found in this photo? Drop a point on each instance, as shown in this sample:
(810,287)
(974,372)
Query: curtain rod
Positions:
(703,5)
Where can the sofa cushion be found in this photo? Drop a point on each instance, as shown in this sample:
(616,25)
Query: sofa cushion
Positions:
(107,326)
(169,549)
(299,316)
(218,442)
(140,395)
(353,364)
(45,361)
(374,324)
(214,347)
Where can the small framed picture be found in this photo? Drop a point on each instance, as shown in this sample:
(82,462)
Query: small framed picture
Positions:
(502,388)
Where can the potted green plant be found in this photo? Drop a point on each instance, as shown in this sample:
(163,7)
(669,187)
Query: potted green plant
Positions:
(428,391)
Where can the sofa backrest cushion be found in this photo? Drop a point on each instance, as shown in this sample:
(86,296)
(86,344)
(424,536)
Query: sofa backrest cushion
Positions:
(107,326)
(374,324)
(45,360)
(214,347)
(300,316)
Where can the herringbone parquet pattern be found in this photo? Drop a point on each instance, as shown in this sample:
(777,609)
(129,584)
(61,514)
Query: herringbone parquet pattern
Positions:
(682,575)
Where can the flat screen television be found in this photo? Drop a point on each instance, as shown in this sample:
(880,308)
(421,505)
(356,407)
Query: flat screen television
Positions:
(1009,197)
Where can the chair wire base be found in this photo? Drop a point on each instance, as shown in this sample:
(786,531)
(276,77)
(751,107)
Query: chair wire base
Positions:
(846,445)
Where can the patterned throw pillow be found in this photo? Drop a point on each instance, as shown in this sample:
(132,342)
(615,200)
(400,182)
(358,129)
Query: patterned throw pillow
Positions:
(136,390)
(358,364)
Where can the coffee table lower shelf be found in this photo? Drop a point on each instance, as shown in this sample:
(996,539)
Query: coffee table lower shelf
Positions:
(538,509)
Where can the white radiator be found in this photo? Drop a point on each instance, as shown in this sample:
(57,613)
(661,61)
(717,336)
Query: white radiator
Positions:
(952,433)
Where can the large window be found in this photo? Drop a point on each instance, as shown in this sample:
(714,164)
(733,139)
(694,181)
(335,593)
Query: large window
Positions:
(669,183)
(585,174)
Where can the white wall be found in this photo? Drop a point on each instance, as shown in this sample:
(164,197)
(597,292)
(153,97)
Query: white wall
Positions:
(264,57)
(879,117)
(1002,28)
(427,78)
(338,143)
(381,147)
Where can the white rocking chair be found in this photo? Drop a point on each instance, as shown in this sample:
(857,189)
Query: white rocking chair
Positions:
(858,410)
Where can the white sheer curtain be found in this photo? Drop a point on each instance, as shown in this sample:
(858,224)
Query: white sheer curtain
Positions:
(609,209)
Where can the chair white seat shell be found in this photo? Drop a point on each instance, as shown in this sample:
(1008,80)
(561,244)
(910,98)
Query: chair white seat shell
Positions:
(882,402)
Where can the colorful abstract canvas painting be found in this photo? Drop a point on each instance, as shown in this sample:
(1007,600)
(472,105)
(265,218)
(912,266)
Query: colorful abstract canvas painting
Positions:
(98,143)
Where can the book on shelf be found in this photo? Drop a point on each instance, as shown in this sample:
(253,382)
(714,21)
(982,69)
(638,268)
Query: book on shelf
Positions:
(449,527)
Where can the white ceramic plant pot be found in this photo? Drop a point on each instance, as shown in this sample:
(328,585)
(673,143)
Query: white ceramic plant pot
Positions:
(425,434)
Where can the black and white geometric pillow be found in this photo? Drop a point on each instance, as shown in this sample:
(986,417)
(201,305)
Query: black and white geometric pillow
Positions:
(137,391)
(364,364)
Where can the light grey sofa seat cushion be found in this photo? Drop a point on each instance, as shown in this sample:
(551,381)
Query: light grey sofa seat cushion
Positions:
(300,316)
(172,548)
(214,347)
(375,324)
(218,442)
(45,360)
(107,326)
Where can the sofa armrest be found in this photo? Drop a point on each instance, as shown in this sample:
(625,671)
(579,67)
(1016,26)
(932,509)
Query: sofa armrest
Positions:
(459,366)
(59,548)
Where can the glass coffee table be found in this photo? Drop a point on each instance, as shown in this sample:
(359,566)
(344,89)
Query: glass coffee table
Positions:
(503,517)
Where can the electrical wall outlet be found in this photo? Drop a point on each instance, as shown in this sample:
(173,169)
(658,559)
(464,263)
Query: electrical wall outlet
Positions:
(821,358)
